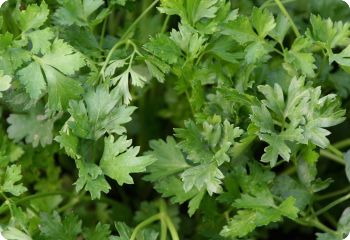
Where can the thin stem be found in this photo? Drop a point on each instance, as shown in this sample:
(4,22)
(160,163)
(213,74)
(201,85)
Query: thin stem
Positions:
(103,32)
(332,194)
(4,208)
(330,218)
(271,3)
(125,36)
(286,14)
(335,151)
(189,102)
(75,200)
(165,24)
(333,204)
(163,224)
(315,223)
(172,228)
(143,224)
(332,156)
(342,144)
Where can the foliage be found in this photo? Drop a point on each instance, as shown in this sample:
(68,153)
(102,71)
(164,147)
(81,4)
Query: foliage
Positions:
(174,119)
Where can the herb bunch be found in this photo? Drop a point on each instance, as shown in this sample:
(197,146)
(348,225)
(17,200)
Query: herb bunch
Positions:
(174,119)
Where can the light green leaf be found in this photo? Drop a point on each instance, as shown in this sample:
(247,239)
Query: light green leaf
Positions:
(169,159)
(240,225)
(204,176)
(32,79)
(9,181)
(240,30)
(100,112)
(40,40)
(119,160)
(32,17)
(76,11)
(263,21)
(91,179)
(34,128)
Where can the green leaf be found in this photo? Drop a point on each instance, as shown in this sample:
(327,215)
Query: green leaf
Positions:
(256,52)
(169,159)
(330,33)
(12,233)
(9,179)
(40,40)
(285,187)
(59,62)
(173,7)
(281,29)
(69,142)
(342,58)
(164,48)
(240,225)
(240,30)
(119,160)
(344,222)
(63,57)
(327,236)
(91,179)
(100,112)
(202,9)
(101,232)
(124,231)
(189,41)
(34,128)
(347,164)
(302,61)
(204,176)
(76,12)
(263,21)
(32,17)
(288,208)
(52,227)
(122,82)
(27,76)
(5,82)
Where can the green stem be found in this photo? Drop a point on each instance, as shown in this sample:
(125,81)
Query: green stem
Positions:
(323,227)
(332,194)
(125,36)
(75,200)
(332,156)
(271,3)
(163,224)
(145,223)
(165,24)
(4,208)
(103,32)
(189,102)
(172,228)
(342,144)
(335,151)
(286,14)
(333,204)
(315,223)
